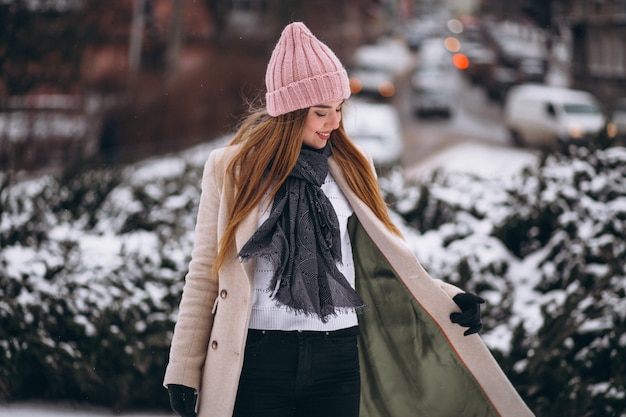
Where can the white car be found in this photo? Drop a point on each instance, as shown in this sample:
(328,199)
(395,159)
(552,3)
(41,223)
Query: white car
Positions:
(376,127)
(542,115)
(377,68)
(433,91)
(373,82)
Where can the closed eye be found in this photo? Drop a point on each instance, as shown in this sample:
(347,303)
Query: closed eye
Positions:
(325,114)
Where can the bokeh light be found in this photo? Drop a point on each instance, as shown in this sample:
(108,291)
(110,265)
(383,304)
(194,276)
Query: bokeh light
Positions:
(455,26)
(356,86)
(452,44)
(386,89)
(460,61)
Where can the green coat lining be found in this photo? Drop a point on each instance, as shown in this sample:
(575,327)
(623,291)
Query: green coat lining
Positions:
(408,367)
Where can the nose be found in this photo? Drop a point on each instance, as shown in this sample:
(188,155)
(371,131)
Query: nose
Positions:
(335,119)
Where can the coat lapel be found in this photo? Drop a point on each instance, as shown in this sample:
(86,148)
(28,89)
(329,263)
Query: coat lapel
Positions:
(244,233)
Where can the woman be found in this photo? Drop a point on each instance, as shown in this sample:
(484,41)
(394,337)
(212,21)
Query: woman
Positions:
(301,298)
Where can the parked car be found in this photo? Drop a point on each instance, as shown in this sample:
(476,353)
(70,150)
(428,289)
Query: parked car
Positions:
(434,53)
(379,68)
(373,82)
(432,92)
(532,70)
(377,128)
(433,102)
(499,80)
(481,59)
(537,114)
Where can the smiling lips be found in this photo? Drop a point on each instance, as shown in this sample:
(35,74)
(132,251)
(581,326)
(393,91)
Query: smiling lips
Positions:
(324,135)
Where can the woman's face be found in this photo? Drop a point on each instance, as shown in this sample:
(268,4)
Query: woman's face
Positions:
(321,120)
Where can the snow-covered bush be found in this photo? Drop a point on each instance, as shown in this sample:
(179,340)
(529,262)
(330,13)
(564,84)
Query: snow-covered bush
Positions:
(92,267)
(574,216)
(547,251)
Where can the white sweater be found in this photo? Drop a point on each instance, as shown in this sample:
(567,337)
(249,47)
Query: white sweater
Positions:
(267,314)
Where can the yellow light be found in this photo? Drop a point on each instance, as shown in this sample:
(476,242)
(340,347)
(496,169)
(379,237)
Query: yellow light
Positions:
(452,44)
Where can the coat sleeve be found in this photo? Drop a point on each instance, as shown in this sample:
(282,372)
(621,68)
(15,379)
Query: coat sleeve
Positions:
(195,320)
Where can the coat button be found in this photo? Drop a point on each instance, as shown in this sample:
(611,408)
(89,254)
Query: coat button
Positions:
(223,293)
(214,344)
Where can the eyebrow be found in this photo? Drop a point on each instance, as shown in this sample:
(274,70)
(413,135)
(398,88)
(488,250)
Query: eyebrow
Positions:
(324,106)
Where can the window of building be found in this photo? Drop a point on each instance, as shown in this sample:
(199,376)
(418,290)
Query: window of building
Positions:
(620,49)
(595,49)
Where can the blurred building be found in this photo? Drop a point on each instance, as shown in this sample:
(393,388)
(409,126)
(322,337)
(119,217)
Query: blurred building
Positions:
(598,30)
(147,76)
(594,31)
(538,12)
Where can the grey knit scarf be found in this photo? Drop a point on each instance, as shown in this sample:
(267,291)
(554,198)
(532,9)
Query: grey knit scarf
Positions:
(301,239)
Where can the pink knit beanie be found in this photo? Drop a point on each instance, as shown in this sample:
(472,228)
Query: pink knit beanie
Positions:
(303,72)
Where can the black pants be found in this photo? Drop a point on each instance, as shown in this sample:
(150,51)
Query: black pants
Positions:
(300,374)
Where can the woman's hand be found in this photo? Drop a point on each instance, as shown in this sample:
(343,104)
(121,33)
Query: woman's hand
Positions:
(470,315)
(183,400)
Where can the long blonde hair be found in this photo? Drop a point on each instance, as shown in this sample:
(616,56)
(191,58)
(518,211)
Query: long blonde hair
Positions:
(270,147)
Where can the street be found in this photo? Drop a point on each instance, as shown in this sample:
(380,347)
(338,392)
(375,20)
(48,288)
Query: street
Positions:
(474,119)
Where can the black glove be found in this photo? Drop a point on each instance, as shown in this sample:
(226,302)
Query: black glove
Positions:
(183,400)
(470,316)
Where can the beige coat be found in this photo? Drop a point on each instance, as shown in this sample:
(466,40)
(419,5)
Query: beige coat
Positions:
(414,361)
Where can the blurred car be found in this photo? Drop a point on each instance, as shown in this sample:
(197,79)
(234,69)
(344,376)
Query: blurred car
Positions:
(513,50)
(499,80)
(373,82)
(480,60)
(532,69)
(432,93)
(543,115)
(377,128)
(378,68)
(434,53)
(432,102)
(414,36)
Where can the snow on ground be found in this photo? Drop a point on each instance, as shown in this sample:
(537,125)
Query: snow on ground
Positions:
(484,161)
